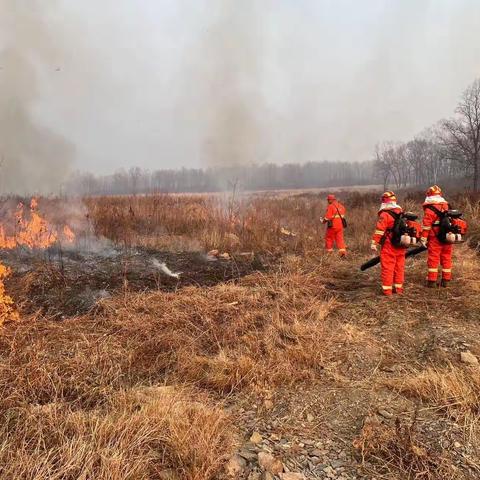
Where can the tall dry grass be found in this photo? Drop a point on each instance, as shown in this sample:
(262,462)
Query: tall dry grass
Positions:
(73,401)
(138,434)
(246,223)
(84,398)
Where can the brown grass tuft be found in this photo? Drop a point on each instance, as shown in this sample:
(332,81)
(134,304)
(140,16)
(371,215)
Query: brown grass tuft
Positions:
(455,390)
(138,434)
(398,450)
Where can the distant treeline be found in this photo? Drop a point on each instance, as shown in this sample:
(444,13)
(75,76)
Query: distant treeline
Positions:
(417,163)
(253,177)
(449,152)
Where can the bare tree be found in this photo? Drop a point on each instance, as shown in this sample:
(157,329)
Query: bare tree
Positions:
(134,174)
(462,133)
(400,164)
(381,165)
(417,153)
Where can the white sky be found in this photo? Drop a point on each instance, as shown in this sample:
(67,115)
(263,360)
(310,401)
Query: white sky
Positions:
(329,79)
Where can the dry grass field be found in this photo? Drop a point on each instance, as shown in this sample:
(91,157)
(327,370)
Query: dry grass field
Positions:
(265,359)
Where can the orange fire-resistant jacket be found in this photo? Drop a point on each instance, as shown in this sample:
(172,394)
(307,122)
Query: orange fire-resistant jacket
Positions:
(384,225)
(431,222)
(335,212)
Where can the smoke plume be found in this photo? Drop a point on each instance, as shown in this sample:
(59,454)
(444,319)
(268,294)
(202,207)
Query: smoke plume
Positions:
(32,157)
(230,76)
(163,84)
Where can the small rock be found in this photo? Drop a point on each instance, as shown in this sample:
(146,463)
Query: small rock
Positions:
(310,418)
(385,413)
(248,455)
(268,404)
(457,445)
(336,464)
(292,476)
(316,453)
(329,471)
(469,358)
(256,438)
(269,463)
(235,466)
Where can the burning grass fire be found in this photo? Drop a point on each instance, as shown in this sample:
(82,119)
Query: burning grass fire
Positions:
(30,231)
(49,270)
(33,232)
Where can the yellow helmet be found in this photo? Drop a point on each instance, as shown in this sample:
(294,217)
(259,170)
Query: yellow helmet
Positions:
(388,197)
(435,190)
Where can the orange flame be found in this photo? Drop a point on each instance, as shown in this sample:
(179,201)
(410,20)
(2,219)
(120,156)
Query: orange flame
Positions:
(32,233)
(35,232)
(68,234)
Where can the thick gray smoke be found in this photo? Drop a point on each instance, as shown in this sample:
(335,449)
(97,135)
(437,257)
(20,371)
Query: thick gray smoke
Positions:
(32,157)
(308,80)
(230,76)
(195,83)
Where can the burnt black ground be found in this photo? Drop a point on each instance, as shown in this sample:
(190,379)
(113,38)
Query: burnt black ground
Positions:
(67,283)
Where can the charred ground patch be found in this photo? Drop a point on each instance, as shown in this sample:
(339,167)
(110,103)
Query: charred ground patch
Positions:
(61,284)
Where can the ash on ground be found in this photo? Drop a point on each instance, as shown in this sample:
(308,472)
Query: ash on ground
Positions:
(62,284)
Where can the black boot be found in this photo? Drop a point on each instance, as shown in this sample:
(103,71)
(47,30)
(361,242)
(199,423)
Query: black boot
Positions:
(445,283)
(431,284)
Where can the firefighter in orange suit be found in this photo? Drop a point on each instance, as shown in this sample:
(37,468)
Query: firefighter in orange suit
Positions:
(392,259)
(438,253)
(335,220)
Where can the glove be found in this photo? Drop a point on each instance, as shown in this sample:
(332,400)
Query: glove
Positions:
(373,247)
(423,241)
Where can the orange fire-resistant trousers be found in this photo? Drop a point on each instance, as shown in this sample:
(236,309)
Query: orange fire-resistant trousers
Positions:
(392,261)
(439,254)
(334,236)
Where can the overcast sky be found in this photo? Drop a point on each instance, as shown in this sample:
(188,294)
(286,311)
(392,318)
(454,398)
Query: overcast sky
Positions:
(171,83)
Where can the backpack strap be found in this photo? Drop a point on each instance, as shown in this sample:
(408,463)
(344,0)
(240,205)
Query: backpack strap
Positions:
(434,209)
(394,215)
(439,213)
(338,211)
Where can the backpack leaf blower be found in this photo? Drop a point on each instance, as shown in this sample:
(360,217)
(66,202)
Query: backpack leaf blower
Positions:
(376,260)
